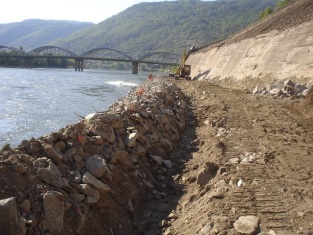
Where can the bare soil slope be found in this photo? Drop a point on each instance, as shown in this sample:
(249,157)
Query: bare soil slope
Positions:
(246,155)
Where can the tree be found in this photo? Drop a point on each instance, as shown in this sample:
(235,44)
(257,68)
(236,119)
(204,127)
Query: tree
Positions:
(269,10)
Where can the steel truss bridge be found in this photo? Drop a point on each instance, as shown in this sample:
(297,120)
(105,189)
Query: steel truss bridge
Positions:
(105,54)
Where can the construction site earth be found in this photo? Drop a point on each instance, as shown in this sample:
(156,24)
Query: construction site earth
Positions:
(176,157)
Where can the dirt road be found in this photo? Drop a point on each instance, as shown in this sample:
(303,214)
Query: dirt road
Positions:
(242,156)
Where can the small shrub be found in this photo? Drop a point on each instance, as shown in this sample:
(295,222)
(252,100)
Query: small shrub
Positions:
(266,12)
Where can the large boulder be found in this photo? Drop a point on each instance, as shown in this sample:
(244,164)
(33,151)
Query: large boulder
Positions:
(54,212)
(92,195)
(96,166)
(53,154)
(104,130)
(247,224)
(114,119)
(95,183)
(52,176)
(10,223)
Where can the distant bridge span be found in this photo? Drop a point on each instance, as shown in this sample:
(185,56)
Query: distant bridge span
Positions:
(53,49)
(107,54)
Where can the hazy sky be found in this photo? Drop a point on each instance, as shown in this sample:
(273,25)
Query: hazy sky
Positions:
(80,10)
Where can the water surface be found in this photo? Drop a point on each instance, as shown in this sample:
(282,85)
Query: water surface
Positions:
(34,102)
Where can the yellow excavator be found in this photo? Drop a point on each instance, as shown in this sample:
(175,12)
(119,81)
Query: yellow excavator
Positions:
(183,70)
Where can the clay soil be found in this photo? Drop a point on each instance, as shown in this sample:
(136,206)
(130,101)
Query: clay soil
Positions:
(258,151)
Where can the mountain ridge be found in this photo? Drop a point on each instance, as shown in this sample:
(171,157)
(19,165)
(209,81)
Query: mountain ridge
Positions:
(147,27)
(32,33)
(168,26)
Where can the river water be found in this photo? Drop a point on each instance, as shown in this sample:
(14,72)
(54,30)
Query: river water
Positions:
(34,102)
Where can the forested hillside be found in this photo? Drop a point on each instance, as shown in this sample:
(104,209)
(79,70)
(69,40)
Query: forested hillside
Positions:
(34,32)
(168,26)
(145,27)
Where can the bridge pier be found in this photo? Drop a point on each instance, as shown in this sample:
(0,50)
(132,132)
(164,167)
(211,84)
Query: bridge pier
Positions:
(28,62)
(135,67)
(79,65)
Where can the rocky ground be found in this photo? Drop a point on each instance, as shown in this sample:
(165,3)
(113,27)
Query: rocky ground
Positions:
(243,166)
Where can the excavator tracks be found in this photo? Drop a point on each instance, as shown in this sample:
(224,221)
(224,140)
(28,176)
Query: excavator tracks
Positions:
(242,156)
(271,139)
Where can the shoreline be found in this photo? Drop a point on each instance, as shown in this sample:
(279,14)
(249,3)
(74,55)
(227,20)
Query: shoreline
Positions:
(82,166)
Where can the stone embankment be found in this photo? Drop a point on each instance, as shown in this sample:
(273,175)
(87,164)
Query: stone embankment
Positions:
(92,177)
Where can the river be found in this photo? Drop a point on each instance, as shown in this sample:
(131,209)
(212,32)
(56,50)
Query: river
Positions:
(34,102)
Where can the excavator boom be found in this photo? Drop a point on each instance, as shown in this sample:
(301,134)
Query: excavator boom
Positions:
(183,70)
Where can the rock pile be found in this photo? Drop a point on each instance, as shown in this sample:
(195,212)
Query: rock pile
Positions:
(285,88)
(93,175)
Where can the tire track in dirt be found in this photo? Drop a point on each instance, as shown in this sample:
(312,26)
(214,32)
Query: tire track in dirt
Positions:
(256,154)
(275,185)
(268,204)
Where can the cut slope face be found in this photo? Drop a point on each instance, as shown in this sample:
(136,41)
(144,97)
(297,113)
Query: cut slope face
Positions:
(279,47)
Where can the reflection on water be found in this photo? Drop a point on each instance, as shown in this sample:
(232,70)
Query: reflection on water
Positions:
(34,102)
(6,126)
(121,83)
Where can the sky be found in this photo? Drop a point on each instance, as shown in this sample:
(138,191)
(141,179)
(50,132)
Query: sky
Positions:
(93,11)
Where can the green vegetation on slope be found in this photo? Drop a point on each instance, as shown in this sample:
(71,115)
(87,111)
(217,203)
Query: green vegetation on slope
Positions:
(167,26)
(269,10)
(266,12)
